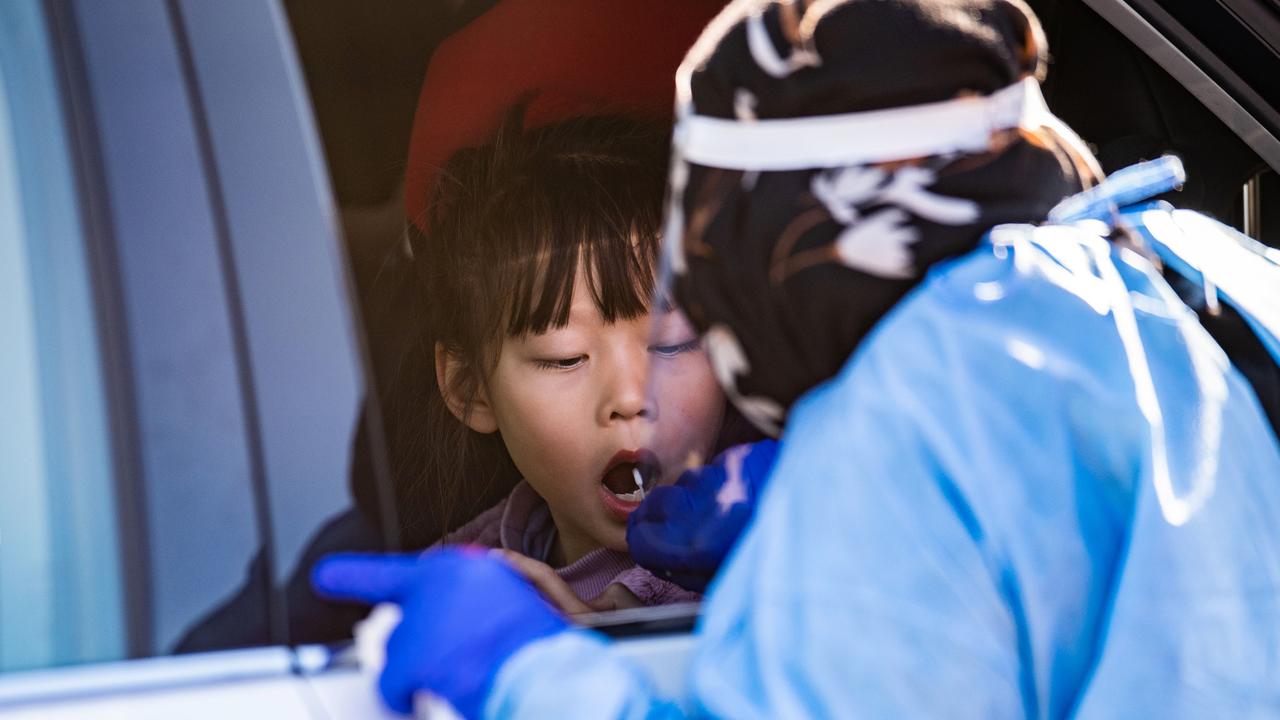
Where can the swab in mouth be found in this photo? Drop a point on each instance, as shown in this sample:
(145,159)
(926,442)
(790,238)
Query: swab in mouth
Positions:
(629,475)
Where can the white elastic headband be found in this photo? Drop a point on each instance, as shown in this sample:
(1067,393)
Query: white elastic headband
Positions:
(963,125)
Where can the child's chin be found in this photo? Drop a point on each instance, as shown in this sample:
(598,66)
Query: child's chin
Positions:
(614,539)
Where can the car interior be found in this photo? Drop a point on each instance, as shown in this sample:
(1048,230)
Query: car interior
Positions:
(363,66)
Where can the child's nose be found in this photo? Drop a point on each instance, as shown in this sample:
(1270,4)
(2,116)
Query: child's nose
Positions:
(630,407)
(627,396)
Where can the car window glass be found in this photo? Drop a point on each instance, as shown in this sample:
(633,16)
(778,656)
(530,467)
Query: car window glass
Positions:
(363,71)
(61,594)
(195,529)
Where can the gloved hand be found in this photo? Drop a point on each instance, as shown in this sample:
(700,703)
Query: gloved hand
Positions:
(465,613)
(684,531)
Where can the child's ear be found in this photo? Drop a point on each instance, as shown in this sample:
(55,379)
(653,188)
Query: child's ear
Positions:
(453,378)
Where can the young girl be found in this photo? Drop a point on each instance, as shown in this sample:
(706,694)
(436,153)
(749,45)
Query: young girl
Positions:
(535,255)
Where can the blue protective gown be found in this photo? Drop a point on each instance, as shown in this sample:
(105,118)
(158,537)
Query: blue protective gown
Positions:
(1038,489)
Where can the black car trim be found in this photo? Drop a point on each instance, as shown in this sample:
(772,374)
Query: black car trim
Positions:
(1263,23)
(1169,44)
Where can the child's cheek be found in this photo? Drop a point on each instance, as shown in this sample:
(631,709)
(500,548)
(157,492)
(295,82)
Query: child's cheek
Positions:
(693,412)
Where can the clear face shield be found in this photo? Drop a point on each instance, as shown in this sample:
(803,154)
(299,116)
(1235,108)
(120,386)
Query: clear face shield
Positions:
(692,373)
(683,402)
(692,418)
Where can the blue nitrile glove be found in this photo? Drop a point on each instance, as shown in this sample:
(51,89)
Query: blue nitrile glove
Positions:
(464,614)
(684,531)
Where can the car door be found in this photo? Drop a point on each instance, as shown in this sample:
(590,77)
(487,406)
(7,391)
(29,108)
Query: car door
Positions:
(184,373)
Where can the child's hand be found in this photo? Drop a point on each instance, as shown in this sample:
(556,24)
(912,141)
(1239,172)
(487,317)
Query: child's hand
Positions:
(544,578)
(615,597)
(684,531)
(557,591)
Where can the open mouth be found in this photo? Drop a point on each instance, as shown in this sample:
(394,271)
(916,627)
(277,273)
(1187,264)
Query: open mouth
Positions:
(630,474)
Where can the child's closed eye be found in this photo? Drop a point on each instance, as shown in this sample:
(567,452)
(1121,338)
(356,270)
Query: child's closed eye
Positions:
(566,363)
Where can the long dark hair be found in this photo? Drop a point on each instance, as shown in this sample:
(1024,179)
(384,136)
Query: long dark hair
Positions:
(509,225)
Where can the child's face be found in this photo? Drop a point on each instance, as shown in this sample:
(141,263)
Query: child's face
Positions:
(578,406)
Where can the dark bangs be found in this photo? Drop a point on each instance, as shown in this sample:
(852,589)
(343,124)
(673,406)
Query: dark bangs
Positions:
(597,211)
(514,221)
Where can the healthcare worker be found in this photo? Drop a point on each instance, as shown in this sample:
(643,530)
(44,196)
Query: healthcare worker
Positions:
(1016,478)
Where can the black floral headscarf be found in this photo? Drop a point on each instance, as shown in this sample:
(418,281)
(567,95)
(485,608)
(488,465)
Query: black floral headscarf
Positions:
(786,271)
